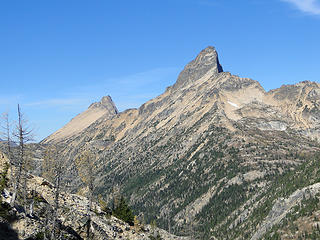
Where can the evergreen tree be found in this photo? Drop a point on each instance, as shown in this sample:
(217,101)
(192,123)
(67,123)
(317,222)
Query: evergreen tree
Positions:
(123,211)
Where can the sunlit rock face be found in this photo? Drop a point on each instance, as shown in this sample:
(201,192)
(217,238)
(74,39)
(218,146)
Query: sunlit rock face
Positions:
(187,153)
(104,109)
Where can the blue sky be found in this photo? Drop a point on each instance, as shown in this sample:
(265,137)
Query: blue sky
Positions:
(58,56)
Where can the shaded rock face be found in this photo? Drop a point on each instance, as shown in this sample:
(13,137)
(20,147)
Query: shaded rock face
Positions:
(6,232)
(186,154)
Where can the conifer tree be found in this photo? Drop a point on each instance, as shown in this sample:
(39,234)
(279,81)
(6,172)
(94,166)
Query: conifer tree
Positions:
(123,212)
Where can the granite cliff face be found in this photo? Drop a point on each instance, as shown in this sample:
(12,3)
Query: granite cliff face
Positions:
(202,156)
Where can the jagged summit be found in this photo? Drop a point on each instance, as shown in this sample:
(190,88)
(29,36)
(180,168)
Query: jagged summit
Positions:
(207,60)
(208,56)
(106,100)
(107,103)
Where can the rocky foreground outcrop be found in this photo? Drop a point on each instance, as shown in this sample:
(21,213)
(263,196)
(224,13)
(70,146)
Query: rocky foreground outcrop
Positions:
(73,216)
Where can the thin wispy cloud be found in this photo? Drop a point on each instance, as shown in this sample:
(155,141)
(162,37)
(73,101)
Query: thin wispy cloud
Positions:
(51,112)
(306,6)
(141,87)
(147,77)
(129,91)
(56,102)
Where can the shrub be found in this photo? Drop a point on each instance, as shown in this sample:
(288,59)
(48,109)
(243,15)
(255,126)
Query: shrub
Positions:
(3,177)
(123,212)
(158,237)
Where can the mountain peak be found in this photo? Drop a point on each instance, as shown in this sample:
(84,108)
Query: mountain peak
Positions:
(105,108)
(209,56)
(107,103)
(106,100)
(207,60)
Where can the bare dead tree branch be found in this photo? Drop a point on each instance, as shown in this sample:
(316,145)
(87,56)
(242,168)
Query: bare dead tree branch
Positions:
(23,134)
(53,167)
(7,135)
(85,166)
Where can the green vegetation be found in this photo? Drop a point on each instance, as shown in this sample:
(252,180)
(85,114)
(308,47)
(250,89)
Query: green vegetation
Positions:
(304,175)
(103,205)
(39,236)
(4,207)
(272,236)
(158,237)
(174,168)
(3,177)
(4,210)
(123,212)
(282,186)
(308,206)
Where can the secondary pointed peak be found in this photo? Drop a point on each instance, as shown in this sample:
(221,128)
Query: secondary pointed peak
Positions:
(106,102)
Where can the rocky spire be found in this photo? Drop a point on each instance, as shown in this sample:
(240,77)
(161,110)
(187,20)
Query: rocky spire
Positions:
(107,103)
(206,60)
